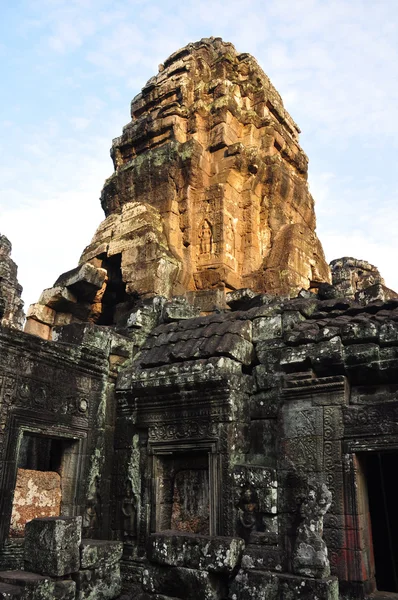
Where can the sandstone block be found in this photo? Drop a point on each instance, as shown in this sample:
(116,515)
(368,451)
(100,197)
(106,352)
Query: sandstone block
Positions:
(265,558)
(65,590)
(214,554)
(170,581)
(178,309)
(41,330)
(9,592)
(102,583)
(41,313)
(85,334)
(33,586)
(37,494)
(62,318)
(303,588)
(260,585)
(83,282)
(267,328)
(208,300)
(59,299)
(96,553)
(357,278)
(52,545)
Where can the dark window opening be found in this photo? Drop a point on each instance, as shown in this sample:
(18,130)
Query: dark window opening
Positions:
(40,453)
(380,469)
(115,293)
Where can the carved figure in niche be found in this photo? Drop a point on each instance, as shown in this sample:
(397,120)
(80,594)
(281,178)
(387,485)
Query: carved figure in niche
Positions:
(92,514)
(230,237)
(206,238)
(248,513)
(310,554)
(190,510)
(129,512)
(150,249)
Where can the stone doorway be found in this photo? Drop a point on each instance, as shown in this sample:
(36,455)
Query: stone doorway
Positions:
(44,479)
(379,469)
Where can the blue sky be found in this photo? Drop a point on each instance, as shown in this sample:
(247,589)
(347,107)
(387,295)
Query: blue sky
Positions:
(69,70)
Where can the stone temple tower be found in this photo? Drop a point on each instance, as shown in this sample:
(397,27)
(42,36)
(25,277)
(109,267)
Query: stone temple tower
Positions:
(193,437)
(210,183)
(209,192)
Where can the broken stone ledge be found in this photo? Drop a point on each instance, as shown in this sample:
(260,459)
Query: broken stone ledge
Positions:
(213,554)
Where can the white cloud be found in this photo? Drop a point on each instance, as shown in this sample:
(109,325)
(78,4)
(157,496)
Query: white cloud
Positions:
(80,123)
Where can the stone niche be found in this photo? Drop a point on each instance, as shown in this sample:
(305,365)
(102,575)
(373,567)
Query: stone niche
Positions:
(182,493)
(190,445)
(46,476)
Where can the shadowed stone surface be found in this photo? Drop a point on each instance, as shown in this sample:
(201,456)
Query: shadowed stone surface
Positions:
(52,545)
(32,585)
(310,554)
(101,583)
(193,583)
(95,553)
(214,554)
(248,585)
(9,592)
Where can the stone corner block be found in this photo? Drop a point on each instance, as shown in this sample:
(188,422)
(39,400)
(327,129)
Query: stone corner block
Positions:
(52,545)
(306,588)
(83,281)
(261,585)
(96,553)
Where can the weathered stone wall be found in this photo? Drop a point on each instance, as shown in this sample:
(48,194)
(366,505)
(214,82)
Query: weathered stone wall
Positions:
(62,392)
(274,391)
(11,305)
